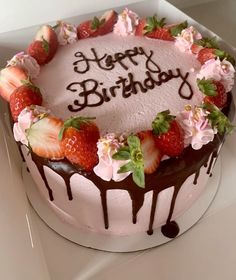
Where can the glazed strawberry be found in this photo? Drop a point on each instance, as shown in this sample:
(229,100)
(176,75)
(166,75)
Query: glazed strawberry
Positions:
(39,50)
(79,138)
(43,138)
(169,136)
(206,54)
(96,27)
(214,91)
(151,154)
(10,78)
(47,33)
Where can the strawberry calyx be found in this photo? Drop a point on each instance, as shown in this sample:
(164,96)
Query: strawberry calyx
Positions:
(96,23)
(207,42)
(161,124)
(207,87)
(176,30)
(45,45)
(218,119)
(153,24)
(30,85)
(74,122)
(134,154)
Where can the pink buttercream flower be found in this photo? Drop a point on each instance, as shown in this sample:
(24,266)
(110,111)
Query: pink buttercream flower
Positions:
(127,21)
(197,128)
(222,71)
(186,38)
(66,33)
(107,168)
(26,118)
(26,62)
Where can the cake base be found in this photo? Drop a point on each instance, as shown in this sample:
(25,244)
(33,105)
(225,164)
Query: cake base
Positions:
(136,242)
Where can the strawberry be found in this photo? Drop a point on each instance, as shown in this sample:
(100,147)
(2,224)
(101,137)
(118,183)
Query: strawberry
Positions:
(169,136)
(10,78)
(206,54)
(79,138)
(214,91)
(140,28)
(195,49)
(96,27)
(23,96)
(47,33)
(39,50)
(43,138)
(151,154)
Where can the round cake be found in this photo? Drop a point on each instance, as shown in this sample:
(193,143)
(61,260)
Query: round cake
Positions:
(120,119)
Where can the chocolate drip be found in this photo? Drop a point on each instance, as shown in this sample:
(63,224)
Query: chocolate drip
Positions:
(136,203)
(170,229)
(196,177)
(104,207)
(213,156)
(152,215)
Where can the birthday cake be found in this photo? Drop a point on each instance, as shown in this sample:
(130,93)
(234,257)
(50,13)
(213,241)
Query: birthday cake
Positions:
(120,119)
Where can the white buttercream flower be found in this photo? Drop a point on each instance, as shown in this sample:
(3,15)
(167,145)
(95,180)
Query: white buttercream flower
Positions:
(186,38)
(66,33)
(222,71)
(26,118)
(197,128)
(127,21)
(107,168)
(27,62)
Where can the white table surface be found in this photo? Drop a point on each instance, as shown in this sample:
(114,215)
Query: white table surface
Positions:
(30,250)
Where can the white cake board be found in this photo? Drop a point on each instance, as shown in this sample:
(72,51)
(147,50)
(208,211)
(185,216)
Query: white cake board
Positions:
(105,242)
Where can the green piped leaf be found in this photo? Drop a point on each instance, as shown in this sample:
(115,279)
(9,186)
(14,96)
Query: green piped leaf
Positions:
(176,30)
(126,168)
(217,119)
(139,177)
(207,87)
(161,124)
(121,155)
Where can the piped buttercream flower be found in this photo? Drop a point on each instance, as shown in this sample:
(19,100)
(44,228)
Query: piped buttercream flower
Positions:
(26,118)
(127,21)
(66,33)
(27,62)
(186,38)
(107,168)
(218,70)
(197,128)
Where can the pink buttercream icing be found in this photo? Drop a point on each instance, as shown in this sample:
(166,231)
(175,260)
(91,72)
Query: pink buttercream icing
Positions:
(197,128)
(66,33)
(26,118)
(222,71)
(26,62)
(186,38)
(107,167)
(127,21)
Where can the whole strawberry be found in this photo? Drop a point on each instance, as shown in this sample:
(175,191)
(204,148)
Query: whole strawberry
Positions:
(214,91)
(79,138)
(169,135)
(206,54)
(40,51)
(23,96)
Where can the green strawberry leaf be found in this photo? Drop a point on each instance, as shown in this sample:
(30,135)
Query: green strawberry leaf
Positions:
(161,124)
(139,177)
(96,23)
(207,42)
(207,87)
(45,45)
(133,142)
(153,23)
(176,30)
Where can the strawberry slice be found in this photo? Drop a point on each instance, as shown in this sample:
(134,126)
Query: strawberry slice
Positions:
(43,138)
(47,33)
(10,78)
(151,154)
(140,28)
(96,27)
(214,91)
(23,96)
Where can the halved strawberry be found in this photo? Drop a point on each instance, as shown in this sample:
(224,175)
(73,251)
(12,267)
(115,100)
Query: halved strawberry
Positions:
(23,96)
(151,154)
(169,135)
(214,91)
(43,138)
(79,137)
(139,31)
(206,54)
(96,27)
(47,33)
(10,78)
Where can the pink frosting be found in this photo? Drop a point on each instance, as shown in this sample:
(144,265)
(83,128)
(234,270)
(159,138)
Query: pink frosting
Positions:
(26,118)
(66,33)
(127,21)
(197,128)
(186,38)
(26,62)
(222,71)
(107,167)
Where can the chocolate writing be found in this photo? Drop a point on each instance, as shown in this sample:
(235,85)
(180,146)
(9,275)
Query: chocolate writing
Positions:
(91,93)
